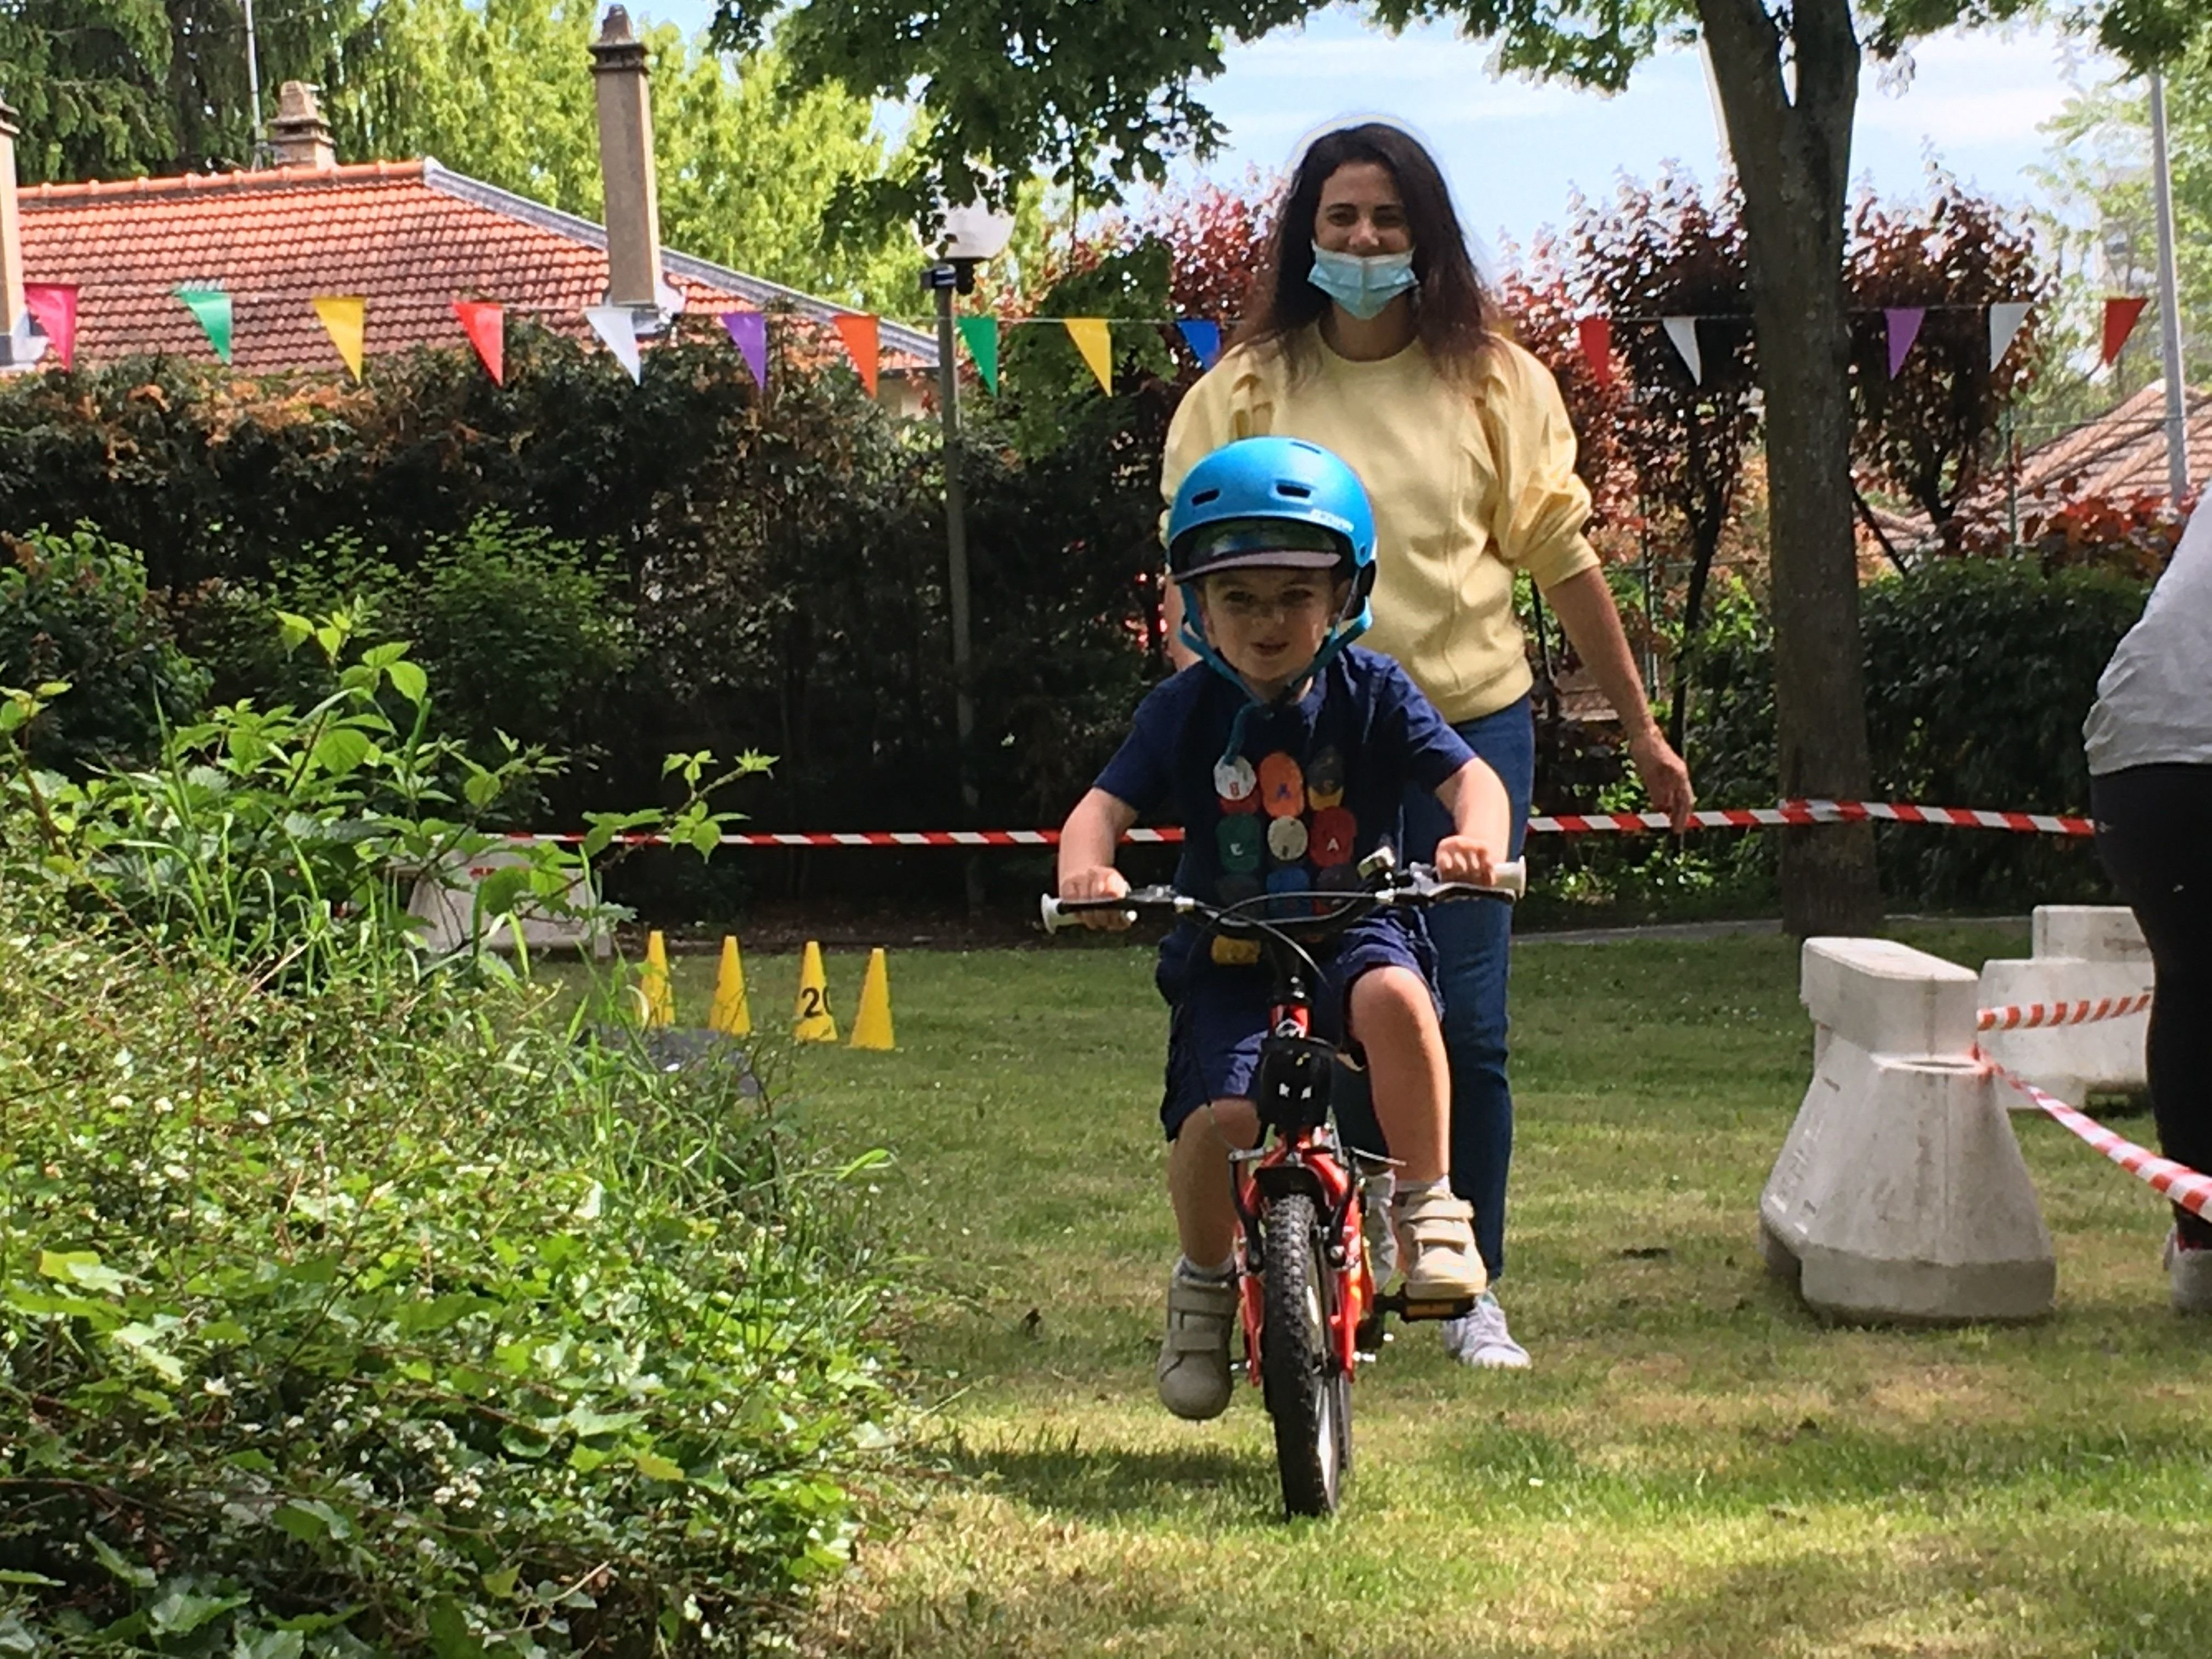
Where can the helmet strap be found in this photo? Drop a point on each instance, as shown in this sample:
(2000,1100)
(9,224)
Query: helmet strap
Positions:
(1355,619)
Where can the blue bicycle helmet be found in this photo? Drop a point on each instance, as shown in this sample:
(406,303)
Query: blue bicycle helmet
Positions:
(1281,503)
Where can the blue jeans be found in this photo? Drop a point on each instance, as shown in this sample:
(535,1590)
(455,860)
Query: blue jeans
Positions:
(1473,944)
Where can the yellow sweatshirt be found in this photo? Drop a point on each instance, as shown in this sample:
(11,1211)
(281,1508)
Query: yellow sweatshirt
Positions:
(1468,488)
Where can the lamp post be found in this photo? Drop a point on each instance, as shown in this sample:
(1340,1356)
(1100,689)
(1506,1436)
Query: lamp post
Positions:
(966,237)
(2169,300)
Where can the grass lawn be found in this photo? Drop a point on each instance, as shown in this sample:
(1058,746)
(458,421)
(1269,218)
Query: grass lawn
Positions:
(1694,1467)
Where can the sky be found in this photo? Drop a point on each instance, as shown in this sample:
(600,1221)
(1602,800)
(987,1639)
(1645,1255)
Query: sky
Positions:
(1515,150)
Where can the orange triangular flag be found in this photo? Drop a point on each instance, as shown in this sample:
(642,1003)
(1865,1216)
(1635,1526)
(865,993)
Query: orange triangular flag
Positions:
(345,318)
(861,335)
(484,321)
(1094,340)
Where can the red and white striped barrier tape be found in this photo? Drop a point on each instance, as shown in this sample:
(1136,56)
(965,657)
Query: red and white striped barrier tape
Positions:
(2175,1182)
(1790,812)
(2020,1017)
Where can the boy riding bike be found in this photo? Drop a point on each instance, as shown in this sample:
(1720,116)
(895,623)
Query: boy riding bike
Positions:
(1287,752)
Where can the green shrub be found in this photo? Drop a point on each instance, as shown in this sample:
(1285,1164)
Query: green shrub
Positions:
(1978,675)
(75,607)
(350,1303)
(354,1322)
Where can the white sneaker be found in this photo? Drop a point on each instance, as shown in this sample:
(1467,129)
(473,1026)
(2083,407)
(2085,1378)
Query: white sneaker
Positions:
(1194,1373)
(1435,1244)
(2188,1276)
(1479,1338)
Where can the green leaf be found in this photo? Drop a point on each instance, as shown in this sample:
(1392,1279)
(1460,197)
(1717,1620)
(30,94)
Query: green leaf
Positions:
(586,1424)
(311,1521)
(180,1612)
(449,1638)
(268,1644)
(409,680)
(501,1583)
(129,1572)
(13,1576)
(82,1267)
(341,749)
(18,1638)
(654,1467)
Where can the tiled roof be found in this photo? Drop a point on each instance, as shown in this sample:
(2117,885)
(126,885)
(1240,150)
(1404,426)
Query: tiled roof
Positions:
(410,237)
(2122,454)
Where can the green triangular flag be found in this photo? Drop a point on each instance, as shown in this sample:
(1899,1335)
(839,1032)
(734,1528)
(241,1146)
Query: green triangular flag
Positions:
(212,307)
(980,336)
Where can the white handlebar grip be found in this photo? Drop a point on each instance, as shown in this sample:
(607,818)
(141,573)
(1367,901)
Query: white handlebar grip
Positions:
(1048,907)
(1511,878)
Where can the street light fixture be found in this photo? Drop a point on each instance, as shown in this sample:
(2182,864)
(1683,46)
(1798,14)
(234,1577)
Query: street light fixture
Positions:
(966,236)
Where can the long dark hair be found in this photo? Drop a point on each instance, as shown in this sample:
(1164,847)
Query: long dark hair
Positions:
(1452,311)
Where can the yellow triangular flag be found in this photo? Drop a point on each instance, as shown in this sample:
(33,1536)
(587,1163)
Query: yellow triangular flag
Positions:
(345,316)
(1094,338)
(812,1022)
(659,1000)
(871,1026)
(729,1015)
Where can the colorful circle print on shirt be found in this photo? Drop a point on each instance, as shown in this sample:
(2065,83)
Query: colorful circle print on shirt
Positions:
(1325,780)
(1237,785)
(1286,840)
(1282,787)
(1239,839)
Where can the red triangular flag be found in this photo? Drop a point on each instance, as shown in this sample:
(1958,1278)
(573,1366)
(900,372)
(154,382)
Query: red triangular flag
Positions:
(484,321)
(2120,317)
(54,304)
(861,335)
(1596,334)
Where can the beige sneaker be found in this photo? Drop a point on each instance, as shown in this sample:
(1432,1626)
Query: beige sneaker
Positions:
(1436,1245)
(2189,1276)
(1193,1369)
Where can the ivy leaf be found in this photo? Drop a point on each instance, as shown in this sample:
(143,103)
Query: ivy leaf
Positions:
(311,1521)
(653,1467)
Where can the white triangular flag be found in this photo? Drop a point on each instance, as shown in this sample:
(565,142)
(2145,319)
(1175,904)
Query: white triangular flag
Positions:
(618,326)
(1683,331)
(2005,319)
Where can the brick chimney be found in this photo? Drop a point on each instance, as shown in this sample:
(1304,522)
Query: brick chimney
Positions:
(633,198)
(18,345)
(298,136)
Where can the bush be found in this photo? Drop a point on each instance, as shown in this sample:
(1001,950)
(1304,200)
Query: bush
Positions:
(75,608)
(1979,673)
(353,1304)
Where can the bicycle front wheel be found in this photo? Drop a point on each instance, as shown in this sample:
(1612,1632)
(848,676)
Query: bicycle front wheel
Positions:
(1309,1395)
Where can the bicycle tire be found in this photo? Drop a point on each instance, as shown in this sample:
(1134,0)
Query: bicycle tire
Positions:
(1309,1396)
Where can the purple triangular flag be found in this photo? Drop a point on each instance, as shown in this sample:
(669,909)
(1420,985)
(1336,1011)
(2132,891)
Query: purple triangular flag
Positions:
(748,331)
(1204,338)
(1904,328)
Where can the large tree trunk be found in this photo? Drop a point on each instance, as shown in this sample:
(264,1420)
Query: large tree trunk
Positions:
(1789,127)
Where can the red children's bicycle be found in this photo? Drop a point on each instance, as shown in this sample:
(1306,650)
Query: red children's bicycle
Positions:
(1311,1308)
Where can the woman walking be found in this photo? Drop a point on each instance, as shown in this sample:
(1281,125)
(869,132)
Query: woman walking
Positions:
(1368,331)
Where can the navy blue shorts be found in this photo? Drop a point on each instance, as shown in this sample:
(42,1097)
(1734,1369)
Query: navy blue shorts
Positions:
(1219,1014)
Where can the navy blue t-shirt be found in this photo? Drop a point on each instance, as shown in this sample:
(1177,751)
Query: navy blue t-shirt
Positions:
(1317,785)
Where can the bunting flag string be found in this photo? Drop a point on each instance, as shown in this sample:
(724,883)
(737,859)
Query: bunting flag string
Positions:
(1094,338)
(748,331)
(862,336)
(2120,318)
(212,307)
(54,306)
(484,322)
(1683,331)
(980,336)
(346,319)
(617,325)
(1903,323)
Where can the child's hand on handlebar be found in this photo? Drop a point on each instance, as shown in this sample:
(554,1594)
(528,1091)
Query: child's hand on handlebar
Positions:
(1462,858)
(1099,882)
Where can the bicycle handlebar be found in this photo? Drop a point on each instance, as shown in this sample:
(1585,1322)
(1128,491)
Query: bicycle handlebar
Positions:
(1416,885)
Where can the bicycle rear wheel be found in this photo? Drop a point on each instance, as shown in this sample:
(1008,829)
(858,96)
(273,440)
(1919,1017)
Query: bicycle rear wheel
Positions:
(1309,1395)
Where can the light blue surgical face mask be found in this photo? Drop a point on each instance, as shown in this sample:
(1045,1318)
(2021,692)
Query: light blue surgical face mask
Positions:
(1362,283)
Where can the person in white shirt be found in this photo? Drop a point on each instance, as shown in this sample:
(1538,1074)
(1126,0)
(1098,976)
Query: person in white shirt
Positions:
(2150,743)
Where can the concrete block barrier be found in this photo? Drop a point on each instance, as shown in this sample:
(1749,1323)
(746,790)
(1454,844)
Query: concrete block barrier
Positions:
(2081,953)
(445,901)
(1900,1194)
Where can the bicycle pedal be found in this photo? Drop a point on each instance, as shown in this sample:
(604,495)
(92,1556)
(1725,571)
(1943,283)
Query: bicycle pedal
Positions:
(1413,1308)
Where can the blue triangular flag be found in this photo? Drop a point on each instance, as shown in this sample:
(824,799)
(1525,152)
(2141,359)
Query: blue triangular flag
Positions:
(1204,338)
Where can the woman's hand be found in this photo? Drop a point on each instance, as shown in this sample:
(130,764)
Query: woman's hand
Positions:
(1463,858)
(1097,881)
(1666,778)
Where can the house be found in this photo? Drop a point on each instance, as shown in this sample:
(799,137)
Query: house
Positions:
(409,237)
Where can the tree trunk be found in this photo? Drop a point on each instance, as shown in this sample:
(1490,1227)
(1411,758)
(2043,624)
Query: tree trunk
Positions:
(1789,122)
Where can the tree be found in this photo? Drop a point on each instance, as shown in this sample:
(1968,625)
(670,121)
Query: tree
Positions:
(1666,252)
(1925,433)
(1099,95)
